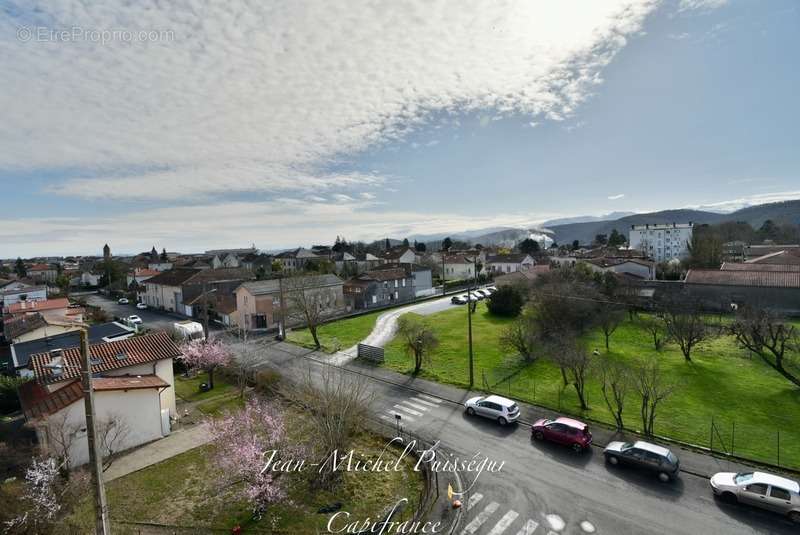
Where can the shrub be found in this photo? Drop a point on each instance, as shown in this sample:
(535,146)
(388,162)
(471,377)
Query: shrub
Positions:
(506,301)
(9,400)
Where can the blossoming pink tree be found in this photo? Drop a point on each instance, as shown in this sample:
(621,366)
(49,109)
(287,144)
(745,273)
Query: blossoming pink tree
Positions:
(244,442)
(206,355)
(41,497)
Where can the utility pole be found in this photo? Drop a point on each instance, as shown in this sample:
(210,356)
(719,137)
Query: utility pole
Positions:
(205,311)
(95,456)
(444,281)
(283,308)
(469,331)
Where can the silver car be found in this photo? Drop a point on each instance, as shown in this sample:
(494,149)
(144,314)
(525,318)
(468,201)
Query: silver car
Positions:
(767,491)
(498,408)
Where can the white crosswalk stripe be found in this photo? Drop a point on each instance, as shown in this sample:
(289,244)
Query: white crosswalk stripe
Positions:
(529,527)
(391,417)
(474,499)
(429,398)
(418,399)
(504,522)
(415,406)
(480,519)
(409,411)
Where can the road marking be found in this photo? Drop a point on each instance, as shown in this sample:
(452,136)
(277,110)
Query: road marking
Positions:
(409,411)
(475,498)
(429,398)
(482,517)
(404,417)
(418,399)
(587,526)
(506,521)
(528,528)
(418,407)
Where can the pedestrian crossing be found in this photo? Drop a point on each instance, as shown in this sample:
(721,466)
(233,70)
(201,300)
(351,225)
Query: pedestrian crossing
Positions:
(411,409)
(480,522)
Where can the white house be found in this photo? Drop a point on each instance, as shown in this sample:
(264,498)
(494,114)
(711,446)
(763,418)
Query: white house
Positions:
(27,293)
(509,263)
(662,242)
(165,290)
(458,267)
(133,390)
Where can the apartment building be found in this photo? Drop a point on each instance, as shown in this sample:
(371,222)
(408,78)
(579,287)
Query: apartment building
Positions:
(662,242)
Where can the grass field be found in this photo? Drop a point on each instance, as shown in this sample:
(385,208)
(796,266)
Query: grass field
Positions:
(186,491)
(223,396)
(753,407)
(338,334)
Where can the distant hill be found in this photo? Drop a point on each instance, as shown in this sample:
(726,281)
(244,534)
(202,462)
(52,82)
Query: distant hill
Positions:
(788,211)
(613,216)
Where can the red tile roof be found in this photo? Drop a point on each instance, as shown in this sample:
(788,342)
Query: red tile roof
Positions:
(761,279)
(107,356)
(37,401)
(37,306)
(128,382)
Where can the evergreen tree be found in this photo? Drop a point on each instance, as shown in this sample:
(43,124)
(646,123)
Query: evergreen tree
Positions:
(447,243)
(405,242)
(20,269)
(164,256)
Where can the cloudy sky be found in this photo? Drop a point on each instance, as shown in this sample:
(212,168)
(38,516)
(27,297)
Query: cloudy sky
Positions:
(195,124)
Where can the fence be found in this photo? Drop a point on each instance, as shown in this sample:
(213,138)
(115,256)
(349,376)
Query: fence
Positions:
(721,434)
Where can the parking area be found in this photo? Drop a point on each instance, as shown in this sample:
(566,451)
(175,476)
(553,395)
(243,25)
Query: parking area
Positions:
(151,319)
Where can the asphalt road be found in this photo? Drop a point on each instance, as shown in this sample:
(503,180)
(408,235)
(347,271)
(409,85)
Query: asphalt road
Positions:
(544,489)
(152,319)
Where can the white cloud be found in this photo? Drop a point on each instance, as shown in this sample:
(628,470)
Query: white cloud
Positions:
(263,96)
(367,196)
(748,200)
(616,197)
(705,5)
(341,197)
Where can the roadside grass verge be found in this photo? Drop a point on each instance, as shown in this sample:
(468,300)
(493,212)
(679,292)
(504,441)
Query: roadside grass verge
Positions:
(187,490)
(337,335)
(756,412)
(224,395)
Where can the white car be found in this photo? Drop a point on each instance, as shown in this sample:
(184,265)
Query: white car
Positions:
(136,320)
(459,299)
(141,306)
(491,289)
(484,292)
(767,491)
(123,301)
(501,409)
(475,296)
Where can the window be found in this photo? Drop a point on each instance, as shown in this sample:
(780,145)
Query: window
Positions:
(757,488)
(779,493)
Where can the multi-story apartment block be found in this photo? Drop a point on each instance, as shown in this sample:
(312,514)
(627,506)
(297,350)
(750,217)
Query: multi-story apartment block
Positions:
(662,242)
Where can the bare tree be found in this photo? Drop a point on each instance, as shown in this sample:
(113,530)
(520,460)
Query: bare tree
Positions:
(418,338)
(767,335)
(687,327)
(245,359)
(609,317)
(574,362)
(112,433)
(309,300)
(615,381)
(657,330)
(653,388)
(521,337)
(337,404)
(60,437)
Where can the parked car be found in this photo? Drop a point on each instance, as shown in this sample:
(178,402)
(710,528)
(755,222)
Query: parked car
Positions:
(123,301)
(476,296)
(135,319)
(566,431)
(498,408)
(491,289)
(644,455)
(483,292)
(141,306)
(459,299)
(766,491)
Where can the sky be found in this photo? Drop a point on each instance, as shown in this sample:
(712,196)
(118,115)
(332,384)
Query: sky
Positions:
(200,124)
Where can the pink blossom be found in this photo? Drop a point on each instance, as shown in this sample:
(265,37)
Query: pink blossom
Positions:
(205,354)
(242,440)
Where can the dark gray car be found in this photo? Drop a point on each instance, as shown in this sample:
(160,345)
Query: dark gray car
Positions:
(645,456)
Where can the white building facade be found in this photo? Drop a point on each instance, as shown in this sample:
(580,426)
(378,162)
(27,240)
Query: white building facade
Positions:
(662,242)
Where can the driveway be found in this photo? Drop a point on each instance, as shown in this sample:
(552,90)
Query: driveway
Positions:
(542,489)
(386,327)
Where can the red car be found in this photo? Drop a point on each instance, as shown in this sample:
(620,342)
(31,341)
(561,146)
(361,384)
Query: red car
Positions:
(566,431)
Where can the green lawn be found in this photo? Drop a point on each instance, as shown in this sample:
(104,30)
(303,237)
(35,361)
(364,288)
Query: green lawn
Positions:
(338,334)
(753,406)
(185,490)
(224,395)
